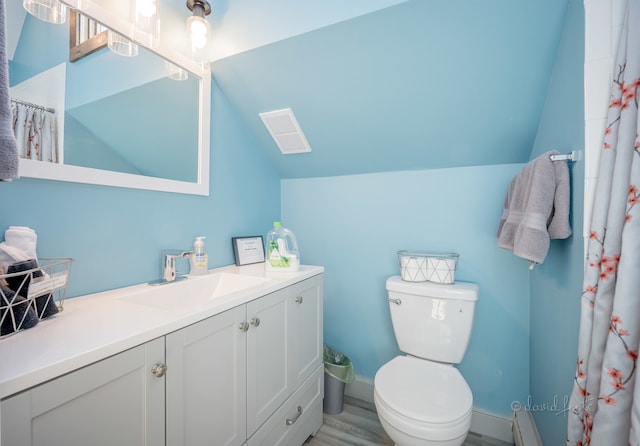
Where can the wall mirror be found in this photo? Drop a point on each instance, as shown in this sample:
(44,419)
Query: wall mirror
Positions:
(121,121)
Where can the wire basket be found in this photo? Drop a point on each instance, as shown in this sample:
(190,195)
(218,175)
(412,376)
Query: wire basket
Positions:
(31,291)
(423,266)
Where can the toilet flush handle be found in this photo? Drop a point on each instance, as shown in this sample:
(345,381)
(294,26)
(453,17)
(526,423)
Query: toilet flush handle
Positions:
(396,301)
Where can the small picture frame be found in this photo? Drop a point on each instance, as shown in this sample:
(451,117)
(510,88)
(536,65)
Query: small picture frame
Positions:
(248,250)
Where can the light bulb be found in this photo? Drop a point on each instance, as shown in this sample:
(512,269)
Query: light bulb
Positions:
(146,8)
(147,21)
(198,31)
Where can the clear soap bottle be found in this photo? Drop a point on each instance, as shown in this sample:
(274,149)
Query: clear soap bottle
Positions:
(199,259)
(282,249)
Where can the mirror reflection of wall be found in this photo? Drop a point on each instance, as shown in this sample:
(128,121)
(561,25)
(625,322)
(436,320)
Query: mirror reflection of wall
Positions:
(86,36)
(111,112)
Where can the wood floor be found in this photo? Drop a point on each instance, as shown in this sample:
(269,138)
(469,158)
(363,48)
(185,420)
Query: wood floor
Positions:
(358,425)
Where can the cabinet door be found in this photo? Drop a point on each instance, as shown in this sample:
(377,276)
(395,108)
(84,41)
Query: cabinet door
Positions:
(206,382)
(269,380)
(116,401)
(306,328)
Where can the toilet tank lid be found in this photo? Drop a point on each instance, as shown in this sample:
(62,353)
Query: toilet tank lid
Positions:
(456,290)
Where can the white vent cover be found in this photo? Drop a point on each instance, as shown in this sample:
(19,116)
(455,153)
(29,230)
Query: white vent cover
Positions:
(285,131)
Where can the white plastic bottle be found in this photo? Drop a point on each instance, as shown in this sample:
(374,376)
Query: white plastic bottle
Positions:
(282,250)
(199,259)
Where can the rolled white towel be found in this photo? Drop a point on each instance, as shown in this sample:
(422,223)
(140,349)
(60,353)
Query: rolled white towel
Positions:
(23,238)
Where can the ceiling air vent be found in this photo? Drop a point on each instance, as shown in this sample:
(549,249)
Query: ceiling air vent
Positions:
(285,131)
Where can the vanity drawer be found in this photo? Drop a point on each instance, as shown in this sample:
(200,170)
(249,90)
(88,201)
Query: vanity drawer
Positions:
(288,426)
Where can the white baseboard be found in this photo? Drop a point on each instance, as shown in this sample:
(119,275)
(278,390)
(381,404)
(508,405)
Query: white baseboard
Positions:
(525,432)
(361,388)
(495,426)
(482,423)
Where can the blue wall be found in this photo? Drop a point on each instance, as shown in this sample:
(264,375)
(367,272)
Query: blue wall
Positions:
(556,284)
(116,235)
(353,225)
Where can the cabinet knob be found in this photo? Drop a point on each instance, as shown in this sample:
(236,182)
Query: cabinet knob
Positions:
(299,299)
(290,421)
(158,370)
(255,321)
(244,326)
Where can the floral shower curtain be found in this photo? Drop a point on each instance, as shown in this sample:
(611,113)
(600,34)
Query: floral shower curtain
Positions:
(35,132)
(605,402)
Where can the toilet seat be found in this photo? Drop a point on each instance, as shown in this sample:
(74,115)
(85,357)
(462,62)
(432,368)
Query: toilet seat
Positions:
(423,399)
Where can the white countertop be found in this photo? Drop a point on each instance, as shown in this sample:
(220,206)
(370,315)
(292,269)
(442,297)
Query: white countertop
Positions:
(96,326)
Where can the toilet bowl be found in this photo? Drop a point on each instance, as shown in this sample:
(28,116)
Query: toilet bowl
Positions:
(422,403)
(421,398)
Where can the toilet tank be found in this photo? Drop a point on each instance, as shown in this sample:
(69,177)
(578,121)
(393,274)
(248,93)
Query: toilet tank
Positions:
(431,320)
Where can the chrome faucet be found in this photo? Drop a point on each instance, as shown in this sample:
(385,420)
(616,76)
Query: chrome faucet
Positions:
(169,265)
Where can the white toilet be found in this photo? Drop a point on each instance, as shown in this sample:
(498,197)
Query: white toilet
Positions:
(421,399)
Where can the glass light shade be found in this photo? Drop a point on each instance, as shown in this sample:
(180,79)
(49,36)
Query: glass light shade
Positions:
(51,11)
(175,72)
(121,45)
(199,31)
(147,20)
(146,8)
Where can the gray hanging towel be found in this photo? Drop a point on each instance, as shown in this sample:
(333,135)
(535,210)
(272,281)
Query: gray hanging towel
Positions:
(8,148)
(536,209)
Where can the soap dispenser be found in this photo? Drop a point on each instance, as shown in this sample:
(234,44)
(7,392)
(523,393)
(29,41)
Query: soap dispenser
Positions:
(199,259)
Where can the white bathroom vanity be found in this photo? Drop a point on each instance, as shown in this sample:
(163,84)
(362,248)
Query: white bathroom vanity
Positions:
(230,358)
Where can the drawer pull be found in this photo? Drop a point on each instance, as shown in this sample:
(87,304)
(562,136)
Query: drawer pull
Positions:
(290,421)
(299,299)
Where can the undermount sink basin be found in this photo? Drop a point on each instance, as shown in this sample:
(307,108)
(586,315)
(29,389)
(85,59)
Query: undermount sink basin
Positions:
(194,292)
(226,283)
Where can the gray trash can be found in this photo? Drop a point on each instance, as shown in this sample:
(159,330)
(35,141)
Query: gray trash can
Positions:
(338,371)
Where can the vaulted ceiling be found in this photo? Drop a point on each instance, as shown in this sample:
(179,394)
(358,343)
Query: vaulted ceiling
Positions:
(423,84)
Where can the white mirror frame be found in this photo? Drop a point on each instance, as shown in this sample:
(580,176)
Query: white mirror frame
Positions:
(75,174)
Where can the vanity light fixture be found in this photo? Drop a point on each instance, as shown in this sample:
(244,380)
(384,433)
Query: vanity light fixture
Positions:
(147,20)
(144,14)
(121,45)
(51,11)
(198,28)
(146,8)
